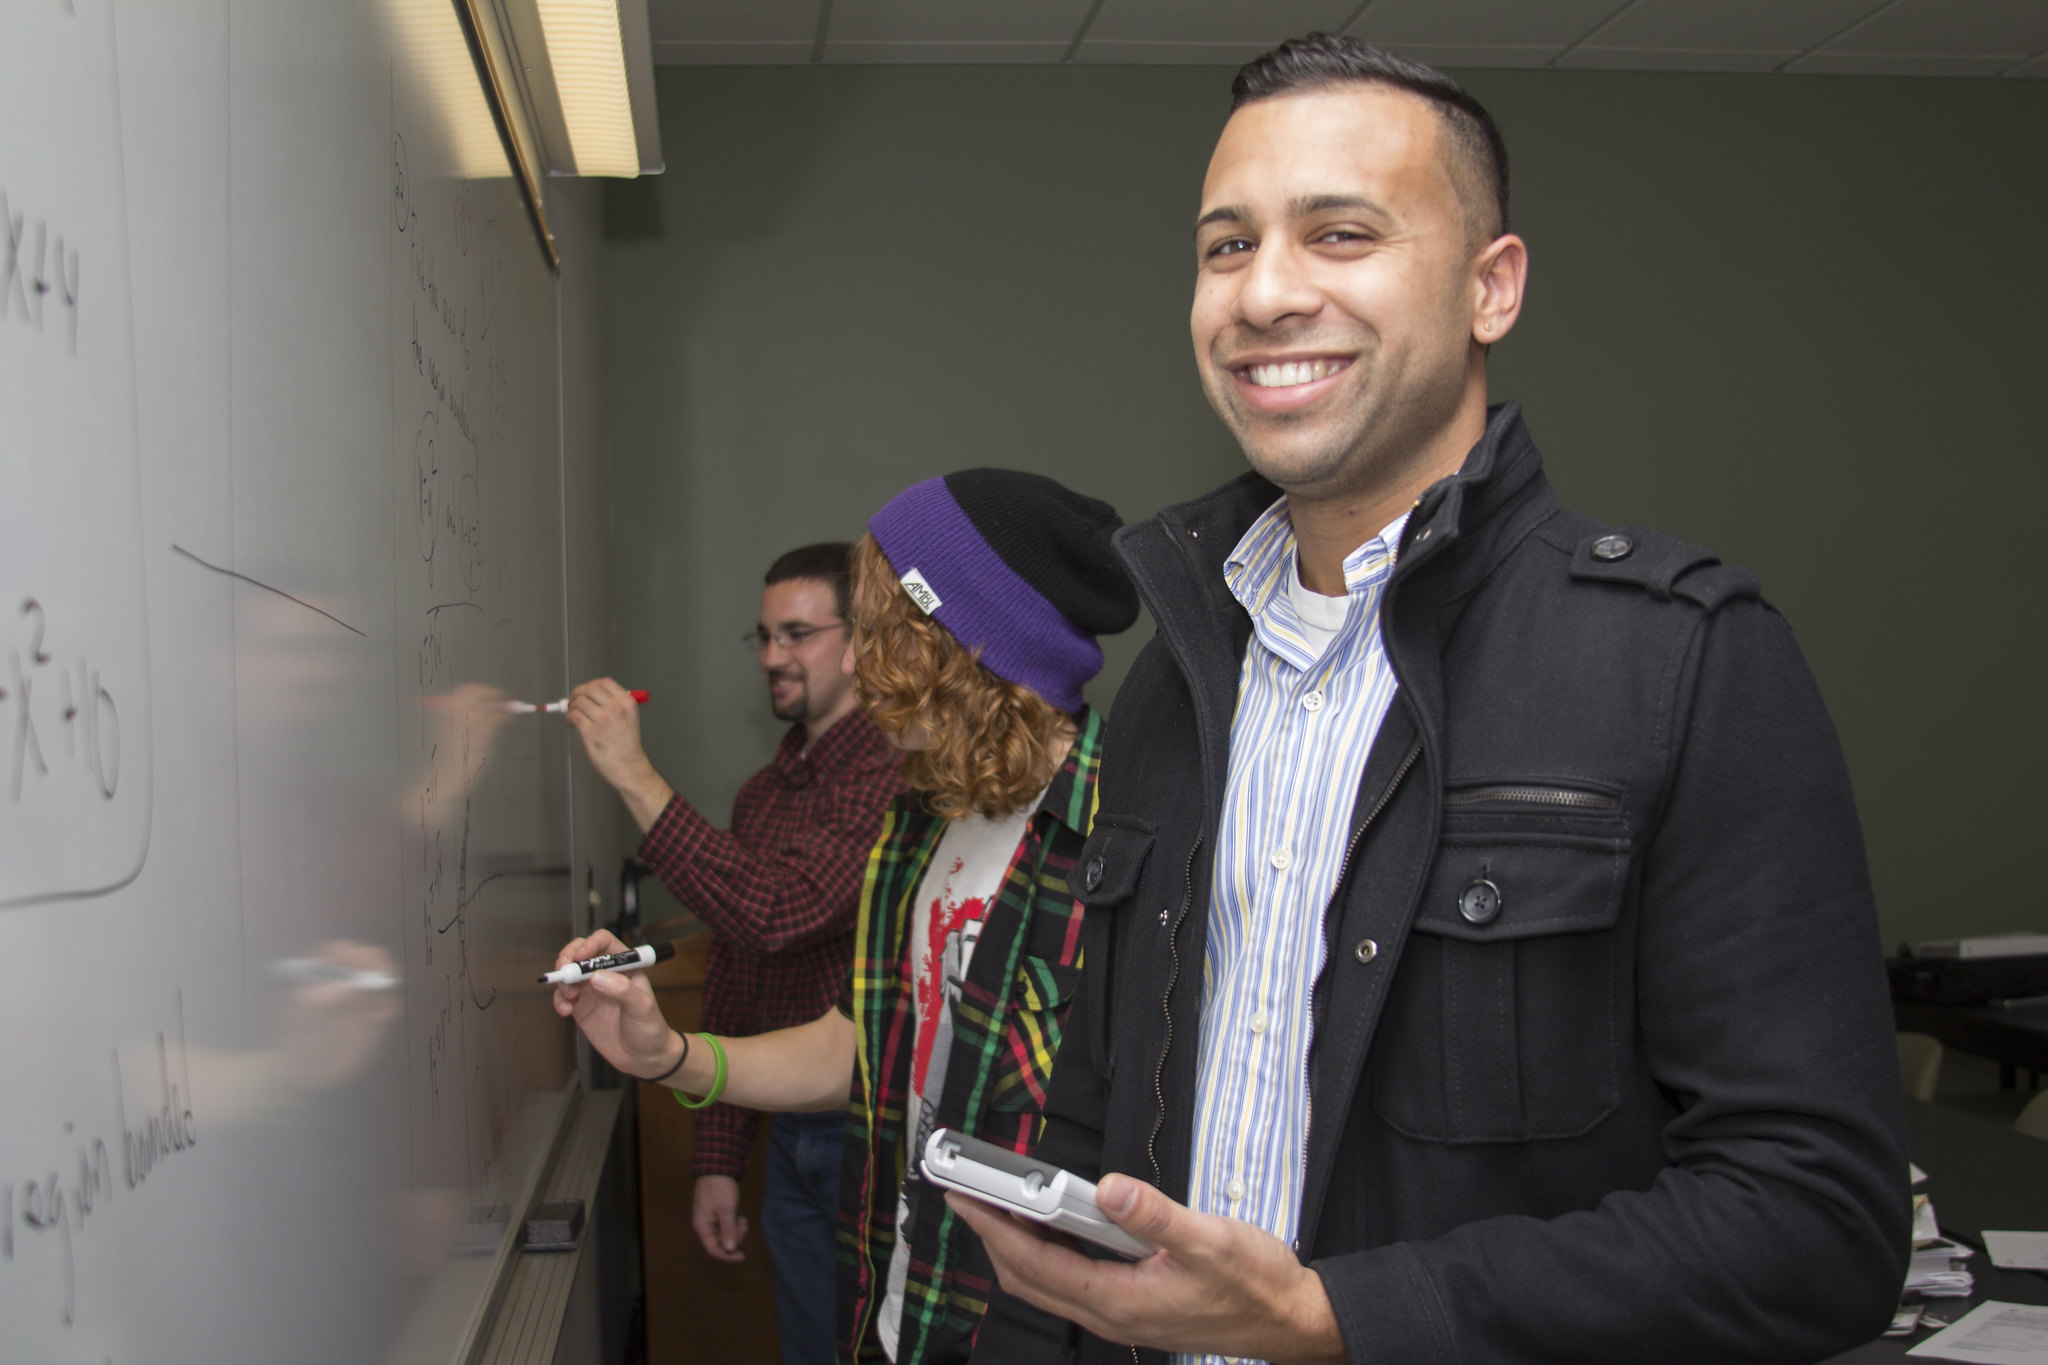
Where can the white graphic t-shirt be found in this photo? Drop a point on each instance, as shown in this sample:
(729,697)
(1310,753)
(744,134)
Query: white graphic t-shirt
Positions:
(965,876)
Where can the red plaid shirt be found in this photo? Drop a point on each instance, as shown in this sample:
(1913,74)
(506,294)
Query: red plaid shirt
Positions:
(780,893)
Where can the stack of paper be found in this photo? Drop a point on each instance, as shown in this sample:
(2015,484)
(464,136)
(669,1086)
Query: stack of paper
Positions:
(1936,1270)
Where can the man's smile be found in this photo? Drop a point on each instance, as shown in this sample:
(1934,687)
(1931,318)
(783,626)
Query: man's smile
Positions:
(1282,384)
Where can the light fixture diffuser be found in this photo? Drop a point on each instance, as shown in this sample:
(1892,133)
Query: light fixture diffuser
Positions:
(589,61)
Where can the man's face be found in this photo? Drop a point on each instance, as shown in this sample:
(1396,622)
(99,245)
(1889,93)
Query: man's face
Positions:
(1334,295)
(805,679)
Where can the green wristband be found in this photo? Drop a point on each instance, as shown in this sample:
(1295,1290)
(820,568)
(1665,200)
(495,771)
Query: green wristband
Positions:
(717,1077)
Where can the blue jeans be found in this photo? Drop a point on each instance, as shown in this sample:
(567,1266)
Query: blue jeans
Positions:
(800,1223)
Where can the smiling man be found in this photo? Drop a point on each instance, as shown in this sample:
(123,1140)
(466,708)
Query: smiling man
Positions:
(1481,963)
(780,892)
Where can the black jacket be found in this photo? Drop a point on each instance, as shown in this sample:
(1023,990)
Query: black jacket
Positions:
(1642,1104)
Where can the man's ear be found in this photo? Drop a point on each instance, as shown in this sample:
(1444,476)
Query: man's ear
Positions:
(1500,275)
(846,657)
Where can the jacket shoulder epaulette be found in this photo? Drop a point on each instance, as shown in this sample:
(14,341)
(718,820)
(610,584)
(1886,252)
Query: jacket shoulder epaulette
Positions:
(1661,565)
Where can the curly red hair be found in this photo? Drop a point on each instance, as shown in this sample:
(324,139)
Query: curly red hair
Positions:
(992,746)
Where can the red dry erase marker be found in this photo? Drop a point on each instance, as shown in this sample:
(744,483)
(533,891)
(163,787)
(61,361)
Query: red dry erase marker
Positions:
(639,694)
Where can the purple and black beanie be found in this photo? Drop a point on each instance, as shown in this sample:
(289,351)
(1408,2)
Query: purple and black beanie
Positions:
(1016,567)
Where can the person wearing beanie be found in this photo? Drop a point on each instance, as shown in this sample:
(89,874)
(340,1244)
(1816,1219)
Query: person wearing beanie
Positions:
(978,598)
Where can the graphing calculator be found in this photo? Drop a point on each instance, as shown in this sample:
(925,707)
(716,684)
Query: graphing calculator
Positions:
(1032,1189)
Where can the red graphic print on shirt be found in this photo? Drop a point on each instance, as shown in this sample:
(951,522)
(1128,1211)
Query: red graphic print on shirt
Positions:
(955,925)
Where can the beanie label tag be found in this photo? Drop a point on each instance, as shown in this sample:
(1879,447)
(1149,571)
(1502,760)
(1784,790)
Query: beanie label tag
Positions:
(921,592)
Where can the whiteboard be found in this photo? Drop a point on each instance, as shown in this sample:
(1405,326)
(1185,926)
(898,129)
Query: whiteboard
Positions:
(281,525)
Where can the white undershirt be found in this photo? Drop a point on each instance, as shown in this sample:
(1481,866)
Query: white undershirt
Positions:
(1321,617)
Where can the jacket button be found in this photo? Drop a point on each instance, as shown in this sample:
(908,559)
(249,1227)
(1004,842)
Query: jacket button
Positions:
(1366,950)
(1613,547)
(1479,902)
(1092,876)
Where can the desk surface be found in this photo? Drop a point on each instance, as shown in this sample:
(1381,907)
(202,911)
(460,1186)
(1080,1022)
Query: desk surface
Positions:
(1979,1175)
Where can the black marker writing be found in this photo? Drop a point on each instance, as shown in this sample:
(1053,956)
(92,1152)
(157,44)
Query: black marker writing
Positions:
(34,264)
(86,712)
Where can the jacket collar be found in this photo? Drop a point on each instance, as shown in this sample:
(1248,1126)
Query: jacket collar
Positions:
(1177,559)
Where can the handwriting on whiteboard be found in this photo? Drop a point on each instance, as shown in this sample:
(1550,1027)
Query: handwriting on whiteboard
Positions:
(66,700)
(44,1212)
(36,271)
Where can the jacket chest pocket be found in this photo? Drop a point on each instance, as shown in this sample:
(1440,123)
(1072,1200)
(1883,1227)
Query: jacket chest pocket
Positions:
(1502,1022)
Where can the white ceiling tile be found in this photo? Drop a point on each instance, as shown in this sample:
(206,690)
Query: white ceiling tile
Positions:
(1671,59)
(1169,54)
(943,53)
(1895,64)
(1964,27)
(1733,25)
(730,54)
(732,21)
(967,21)
(1481,23)
(1447,55)
(1263,23)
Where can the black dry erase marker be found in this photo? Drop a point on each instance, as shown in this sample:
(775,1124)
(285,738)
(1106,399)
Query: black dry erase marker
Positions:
(646,955)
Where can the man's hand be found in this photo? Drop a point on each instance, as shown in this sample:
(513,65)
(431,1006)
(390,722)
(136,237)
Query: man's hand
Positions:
(608,719)
(617,1011)
(1215,1285)
(715,1213)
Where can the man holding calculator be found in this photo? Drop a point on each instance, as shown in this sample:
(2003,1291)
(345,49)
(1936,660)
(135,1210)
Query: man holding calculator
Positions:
(1480,960)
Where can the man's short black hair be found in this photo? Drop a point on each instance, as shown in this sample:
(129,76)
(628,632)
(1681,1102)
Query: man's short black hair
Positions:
(829,562)
(1480,169)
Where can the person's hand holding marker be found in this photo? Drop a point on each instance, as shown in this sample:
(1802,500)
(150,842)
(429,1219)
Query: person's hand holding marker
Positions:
(792,1070)
(618,1013)
(607,717)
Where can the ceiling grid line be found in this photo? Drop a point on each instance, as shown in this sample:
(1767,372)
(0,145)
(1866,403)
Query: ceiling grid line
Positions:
(1081,33)
(824,28)
(1356,15)
(1883,9)
(1593,32)
(2023,63)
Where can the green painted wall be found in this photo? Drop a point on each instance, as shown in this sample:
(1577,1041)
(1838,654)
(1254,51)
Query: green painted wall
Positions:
(1797,320)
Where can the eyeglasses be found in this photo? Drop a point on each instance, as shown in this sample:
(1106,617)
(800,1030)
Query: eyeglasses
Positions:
(791,638)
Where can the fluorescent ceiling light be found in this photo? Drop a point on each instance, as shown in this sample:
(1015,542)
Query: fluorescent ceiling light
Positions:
(463,139)
(589,61)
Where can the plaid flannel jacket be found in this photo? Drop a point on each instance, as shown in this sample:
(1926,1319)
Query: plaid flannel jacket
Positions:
(1006,1031)
(779,892)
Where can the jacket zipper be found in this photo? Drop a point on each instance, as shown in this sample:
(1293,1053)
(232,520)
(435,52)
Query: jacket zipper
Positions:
(1187,898)
(1343,869)
(1515,794)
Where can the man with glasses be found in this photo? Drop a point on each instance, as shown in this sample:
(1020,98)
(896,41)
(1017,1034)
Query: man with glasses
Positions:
(780,892)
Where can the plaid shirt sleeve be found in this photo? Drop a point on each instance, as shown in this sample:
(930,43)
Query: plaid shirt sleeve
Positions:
(724,1134)
(799,886)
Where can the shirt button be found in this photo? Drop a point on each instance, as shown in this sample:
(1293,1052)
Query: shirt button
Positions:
(1281,858)
(1258,1022)
(1313,701)
(1235,1189)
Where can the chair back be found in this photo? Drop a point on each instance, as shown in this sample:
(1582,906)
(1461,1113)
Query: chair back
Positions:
(2033,1120)
(1920,1063)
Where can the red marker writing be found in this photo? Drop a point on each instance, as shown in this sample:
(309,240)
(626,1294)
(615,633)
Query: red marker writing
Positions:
(639,694)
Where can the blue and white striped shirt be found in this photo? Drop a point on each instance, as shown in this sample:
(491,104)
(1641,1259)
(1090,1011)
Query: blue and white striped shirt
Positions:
(1315,687)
